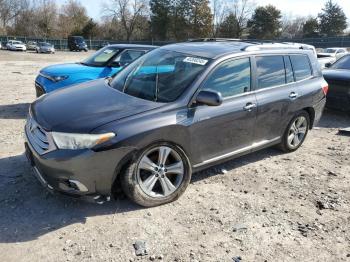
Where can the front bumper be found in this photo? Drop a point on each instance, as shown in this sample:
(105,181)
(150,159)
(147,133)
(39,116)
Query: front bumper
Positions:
(64,171)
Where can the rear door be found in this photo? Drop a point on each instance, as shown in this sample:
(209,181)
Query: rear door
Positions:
(219,130)
(277,96)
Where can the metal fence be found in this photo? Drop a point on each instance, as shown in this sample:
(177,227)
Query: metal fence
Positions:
(61,44)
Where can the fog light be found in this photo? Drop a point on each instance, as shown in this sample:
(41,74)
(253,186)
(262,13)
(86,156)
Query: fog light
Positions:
(76,185)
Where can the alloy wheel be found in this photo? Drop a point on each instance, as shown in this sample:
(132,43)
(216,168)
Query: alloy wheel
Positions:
(160,171)
(297,132)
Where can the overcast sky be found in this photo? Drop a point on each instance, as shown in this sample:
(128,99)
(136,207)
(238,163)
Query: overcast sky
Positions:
(288,7)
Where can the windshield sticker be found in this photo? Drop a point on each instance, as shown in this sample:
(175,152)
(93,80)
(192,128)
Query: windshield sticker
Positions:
(195,60)
(108,51)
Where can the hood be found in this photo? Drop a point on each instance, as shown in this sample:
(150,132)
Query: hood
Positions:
(336,74)
(84,107)
(68,69)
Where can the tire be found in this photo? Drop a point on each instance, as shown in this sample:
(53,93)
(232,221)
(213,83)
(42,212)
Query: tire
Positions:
(300,132)
(134,176)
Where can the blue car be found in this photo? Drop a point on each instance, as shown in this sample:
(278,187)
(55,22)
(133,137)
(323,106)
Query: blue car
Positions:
(104,63)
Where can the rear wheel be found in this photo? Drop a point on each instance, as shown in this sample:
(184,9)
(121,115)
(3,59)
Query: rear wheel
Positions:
(159,175)
(296,132)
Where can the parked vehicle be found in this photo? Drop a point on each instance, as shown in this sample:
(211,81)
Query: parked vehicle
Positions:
(176,110)
(44,47)
(330,55)
(31,45)
(77,43)
(103,63)
(15,45)
(338,77)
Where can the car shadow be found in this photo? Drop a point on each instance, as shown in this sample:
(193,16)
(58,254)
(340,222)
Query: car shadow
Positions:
(334,119)
(28,211)
(235,163)
(14,111)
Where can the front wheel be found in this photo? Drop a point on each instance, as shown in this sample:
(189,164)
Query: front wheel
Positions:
(296,132)
(159,175)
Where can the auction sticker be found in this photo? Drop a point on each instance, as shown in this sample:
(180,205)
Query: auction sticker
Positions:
(195,60)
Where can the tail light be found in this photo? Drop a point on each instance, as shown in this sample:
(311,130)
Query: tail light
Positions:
(325,88)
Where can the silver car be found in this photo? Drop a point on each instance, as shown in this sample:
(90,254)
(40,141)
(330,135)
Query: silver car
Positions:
(44,47)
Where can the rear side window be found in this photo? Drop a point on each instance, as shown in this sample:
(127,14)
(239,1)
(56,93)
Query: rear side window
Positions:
(271,71)
(230,78)
(301,66)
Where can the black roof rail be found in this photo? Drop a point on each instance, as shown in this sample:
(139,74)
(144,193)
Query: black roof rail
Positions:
(213,39)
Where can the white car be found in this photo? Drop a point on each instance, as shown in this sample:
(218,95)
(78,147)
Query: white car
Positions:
(15,45)
(330,55)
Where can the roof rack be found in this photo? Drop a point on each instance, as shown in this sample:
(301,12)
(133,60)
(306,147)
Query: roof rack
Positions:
(276,46)
(213,39)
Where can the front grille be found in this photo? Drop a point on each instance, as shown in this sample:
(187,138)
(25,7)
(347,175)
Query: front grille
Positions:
(39,139)
(39,89)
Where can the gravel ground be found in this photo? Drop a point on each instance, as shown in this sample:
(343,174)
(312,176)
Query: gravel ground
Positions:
(267,206)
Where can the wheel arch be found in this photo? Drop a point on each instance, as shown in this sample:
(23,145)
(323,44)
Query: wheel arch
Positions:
(132,156)
(311,112)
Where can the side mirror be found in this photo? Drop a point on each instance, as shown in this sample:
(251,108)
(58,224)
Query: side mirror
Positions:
(328,65)
(209,98)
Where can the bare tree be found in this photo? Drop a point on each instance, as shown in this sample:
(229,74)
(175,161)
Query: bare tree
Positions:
(292,27)
(242,10)
(128,12)
(238,11)
(10,9)
(219,14)
(72,18)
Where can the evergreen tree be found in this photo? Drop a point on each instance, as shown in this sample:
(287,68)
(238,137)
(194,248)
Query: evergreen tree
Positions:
(311,28)
(265,23)
(200,18)
(160,18)
(230,27)
(332,19)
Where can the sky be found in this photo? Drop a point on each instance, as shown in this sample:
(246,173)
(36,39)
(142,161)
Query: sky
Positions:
(292,8)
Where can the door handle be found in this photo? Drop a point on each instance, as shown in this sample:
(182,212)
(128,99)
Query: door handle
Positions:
(293,95)
(249,107)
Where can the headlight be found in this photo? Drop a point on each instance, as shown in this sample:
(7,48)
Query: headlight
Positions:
(79,141)
(58,78)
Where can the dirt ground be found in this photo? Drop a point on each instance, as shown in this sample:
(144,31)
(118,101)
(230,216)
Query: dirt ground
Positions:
(267,206)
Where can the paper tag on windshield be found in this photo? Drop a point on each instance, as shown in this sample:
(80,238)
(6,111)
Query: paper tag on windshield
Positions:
(108,51)
(195,60)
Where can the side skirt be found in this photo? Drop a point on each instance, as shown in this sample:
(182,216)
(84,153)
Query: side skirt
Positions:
(239,152)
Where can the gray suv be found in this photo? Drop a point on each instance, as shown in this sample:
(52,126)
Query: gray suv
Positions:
(174,111)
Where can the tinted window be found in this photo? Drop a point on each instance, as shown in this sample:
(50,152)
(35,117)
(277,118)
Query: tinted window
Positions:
(230,78)
(101,57)
(342,63)
(289,70)
(128,56)
(301,66)
(270,71)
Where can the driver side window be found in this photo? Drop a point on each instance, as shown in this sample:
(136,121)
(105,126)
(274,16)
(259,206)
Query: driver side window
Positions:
(230,78)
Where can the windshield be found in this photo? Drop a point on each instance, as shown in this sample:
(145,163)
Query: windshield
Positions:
(44,44)
(17,43)
(79,40)
(330,50)
(342,63)
(101,57)
(160,75)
